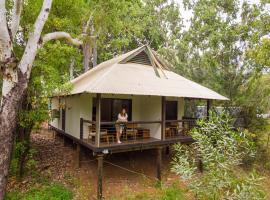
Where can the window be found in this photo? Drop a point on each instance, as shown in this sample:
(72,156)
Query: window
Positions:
(171,110)
(110,109)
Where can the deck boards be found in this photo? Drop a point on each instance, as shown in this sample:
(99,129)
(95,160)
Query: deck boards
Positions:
(125,146)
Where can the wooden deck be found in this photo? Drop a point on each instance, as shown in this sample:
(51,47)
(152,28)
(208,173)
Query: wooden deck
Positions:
(125,146)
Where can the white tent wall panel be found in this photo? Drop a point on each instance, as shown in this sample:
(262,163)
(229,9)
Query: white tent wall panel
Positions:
(86,105)
(76,107)
(55,106)
(144,108)
(150,110)
(181,108)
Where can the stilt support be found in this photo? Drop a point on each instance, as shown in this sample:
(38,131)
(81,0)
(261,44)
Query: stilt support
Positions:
(100,176)
(65,141)
(168,150)
(78,156)
(159,162)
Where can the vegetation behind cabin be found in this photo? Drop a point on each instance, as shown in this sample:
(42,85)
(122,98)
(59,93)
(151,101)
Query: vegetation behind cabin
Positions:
(221,49)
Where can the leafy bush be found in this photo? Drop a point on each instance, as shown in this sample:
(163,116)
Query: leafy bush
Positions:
(50,192)
(220,148)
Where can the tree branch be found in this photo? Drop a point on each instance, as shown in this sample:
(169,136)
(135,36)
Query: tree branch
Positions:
(16,15)
(61,35)
(34,37)
(5,43)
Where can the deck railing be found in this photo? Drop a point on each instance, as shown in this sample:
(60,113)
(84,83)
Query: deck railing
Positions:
(179,127)
(134,130)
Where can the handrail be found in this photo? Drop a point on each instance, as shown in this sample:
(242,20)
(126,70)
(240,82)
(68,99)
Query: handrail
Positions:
(88,121)
(182,120)
(131,122)
(139,122)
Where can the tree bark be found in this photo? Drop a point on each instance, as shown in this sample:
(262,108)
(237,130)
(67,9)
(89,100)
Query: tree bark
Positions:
(94,52)
(8,122)
(86,54)
(71,69)
(15,80)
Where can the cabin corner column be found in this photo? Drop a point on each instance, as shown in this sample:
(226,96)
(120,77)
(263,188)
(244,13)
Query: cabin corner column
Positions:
(208,107)
(98,111)
(163,117)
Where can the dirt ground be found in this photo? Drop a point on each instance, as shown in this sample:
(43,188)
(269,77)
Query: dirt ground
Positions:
(57,161)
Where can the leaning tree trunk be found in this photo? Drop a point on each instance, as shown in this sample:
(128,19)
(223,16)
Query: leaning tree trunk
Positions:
(8,121)
(16,74)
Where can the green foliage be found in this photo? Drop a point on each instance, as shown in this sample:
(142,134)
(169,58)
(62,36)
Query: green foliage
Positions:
(124,25)
(18,150)
(224,50)
(261,53)
(53,191)
(167,193)
(221,149)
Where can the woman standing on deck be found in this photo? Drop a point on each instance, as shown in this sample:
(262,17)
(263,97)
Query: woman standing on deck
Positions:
(122,117)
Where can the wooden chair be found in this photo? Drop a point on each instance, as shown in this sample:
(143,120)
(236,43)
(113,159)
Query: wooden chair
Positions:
(103,134)
(131,130)
(143,133)
(173,129)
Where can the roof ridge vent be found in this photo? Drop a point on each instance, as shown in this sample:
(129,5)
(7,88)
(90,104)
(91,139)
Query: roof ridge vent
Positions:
(141,58)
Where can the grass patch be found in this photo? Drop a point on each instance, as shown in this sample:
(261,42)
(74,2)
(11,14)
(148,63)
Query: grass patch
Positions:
(53,191)
(169,193)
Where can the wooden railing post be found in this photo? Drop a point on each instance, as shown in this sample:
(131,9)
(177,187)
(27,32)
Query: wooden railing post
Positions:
(163,118)
(81,128)
(98,109)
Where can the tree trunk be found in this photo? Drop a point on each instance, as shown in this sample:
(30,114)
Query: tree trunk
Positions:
(23,137)
(94,52)
(86,54)
(8,121)
(71,69)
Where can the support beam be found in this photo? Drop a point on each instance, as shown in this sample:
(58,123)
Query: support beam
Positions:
(78,156)
(98,106)
(65,141)
(163,117)
(100,176)
(159,162)
(208,107)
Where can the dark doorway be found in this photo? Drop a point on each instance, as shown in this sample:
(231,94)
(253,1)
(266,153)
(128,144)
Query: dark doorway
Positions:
(63,113)
(171,110)
(110,108)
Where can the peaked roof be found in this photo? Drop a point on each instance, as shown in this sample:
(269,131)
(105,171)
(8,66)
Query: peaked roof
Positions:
(139,72)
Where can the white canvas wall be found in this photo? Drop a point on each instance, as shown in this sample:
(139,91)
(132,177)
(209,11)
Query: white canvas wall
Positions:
(55,105)
(78,106)
(144,108)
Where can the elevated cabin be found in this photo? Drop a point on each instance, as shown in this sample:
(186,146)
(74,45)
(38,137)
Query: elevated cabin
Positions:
(142,83)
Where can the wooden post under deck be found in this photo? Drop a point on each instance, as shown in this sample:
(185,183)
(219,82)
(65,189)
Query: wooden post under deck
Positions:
(159,162)
(100,176)
(208,107)
(78,155)
(163,118)
(98,106)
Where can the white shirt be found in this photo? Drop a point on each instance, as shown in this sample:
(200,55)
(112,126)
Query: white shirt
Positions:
(122,118)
